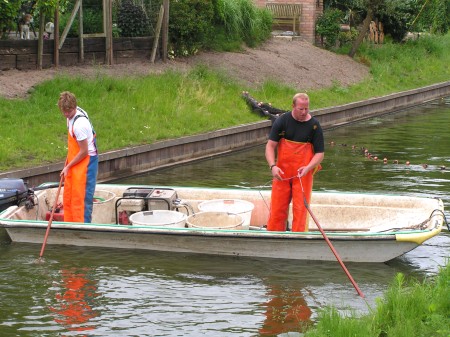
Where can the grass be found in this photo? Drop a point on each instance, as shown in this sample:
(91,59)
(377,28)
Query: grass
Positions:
(141,110)
(408,309)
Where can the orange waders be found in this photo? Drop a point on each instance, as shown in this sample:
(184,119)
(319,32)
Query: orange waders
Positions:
(291,156)
(79,185)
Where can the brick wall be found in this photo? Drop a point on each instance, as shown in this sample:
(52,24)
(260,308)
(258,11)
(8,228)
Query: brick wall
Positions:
(311,9)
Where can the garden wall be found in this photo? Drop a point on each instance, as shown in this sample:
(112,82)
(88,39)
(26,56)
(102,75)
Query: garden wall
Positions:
(22,54)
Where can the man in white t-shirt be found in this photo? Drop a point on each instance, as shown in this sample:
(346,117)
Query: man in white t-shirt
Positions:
(80,170)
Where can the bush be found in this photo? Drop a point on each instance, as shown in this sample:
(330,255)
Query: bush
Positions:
(132,20)
(9,11)
(92,18)
(190,25)
(242,21)
(347,37)
(328,26)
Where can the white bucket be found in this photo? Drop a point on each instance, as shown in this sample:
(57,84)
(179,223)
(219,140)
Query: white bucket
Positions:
(215,220)
(242,207)
(159,218)
(103,208)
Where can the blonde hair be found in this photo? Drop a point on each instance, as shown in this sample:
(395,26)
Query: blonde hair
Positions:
(300,96)
(67,101)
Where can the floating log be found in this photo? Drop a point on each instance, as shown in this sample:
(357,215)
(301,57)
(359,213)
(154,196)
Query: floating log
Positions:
(263,109)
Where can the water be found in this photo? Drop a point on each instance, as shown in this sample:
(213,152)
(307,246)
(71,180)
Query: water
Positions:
(105,292)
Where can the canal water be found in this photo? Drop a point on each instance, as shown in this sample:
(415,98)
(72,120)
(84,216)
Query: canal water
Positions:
(108,292)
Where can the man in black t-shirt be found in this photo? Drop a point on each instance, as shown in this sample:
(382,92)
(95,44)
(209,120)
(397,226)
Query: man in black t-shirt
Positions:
(296,139)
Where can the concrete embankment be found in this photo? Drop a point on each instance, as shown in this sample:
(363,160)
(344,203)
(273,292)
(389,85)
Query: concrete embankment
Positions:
(134,160)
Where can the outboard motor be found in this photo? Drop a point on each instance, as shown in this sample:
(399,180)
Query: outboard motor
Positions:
(12,192)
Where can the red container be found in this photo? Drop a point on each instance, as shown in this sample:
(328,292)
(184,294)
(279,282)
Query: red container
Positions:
(58,216)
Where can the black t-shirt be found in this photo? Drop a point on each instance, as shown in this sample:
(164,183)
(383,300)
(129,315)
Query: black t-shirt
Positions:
(287,127)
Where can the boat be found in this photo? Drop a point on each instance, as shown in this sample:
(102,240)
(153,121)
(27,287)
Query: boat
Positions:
(361,227)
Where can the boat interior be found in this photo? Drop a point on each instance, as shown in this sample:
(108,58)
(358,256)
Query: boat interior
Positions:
(117,204)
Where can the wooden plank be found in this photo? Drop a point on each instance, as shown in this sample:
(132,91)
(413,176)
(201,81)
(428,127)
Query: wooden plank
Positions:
(69,24)
(94,35)
(18,47)
(165,31)
(8,62)
(26,62)
(41,40)
(158,31)
(80,31)
(56,37)
(109,45)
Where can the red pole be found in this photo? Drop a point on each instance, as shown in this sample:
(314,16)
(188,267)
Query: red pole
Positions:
(330,244)
(51,218)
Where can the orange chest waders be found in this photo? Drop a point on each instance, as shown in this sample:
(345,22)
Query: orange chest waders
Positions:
(79,185)
(291,156)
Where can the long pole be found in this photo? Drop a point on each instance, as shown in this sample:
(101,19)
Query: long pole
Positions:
(51,218)
(329,243)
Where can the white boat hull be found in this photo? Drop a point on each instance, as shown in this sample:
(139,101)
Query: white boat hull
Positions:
(353,244)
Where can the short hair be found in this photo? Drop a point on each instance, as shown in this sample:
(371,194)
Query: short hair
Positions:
(302,96)
(67,101)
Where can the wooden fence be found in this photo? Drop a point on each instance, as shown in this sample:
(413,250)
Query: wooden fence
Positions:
(22,54)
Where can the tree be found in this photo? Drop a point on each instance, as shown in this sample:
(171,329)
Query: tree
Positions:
(9,11)
(433,16)
(372,8)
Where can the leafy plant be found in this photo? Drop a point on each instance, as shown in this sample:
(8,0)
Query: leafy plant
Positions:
(190,25)
(132,19)
(9,11)
(328,26)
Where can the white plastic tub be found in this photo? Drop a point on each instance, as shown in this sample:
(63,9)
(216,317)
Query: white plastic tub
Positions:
(215,220)
(103,207)
(159,218)
(241,207)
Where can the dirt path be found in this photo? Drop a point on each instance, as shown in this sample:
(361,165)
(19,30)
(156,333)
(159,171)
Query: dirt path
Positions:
(296,63)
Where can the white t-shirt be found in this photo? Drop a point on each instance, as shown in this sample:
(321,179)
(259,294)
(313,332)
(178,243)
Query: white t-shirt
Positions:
(82,130)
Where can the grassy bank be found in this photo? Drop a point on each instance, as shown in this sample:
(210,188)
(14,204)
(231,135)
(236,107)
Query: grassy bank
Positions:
(133,111)
(408,309)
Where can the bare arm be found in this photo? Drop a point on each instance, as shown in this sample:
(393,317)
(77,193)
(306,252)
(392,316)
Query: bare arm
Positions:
(271,147)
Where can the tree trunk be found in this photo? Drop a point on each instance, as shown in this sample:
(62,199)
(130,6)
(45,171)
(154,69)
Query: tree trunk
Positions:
(362,33)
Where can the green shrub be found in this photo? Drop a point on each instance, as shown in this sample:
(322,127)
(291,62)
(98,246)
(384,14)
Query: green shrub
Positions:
(132,20)
(9,11)
(92,19)
(347,37)
(190,25)
(242,21)
(328,26)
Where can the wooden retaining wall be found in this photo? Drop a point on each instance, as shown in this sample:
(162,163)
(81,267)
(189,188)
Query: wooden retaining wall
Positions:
(22,54)
(129,161)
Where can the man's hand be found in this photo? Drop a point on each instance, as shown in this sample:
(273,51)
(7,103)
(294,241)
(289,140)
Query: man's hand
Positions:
(277,172)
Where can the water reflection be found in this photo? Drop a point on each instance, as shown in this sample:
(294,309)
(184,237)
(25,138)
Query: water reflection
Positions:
(286,311)
(75,299)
